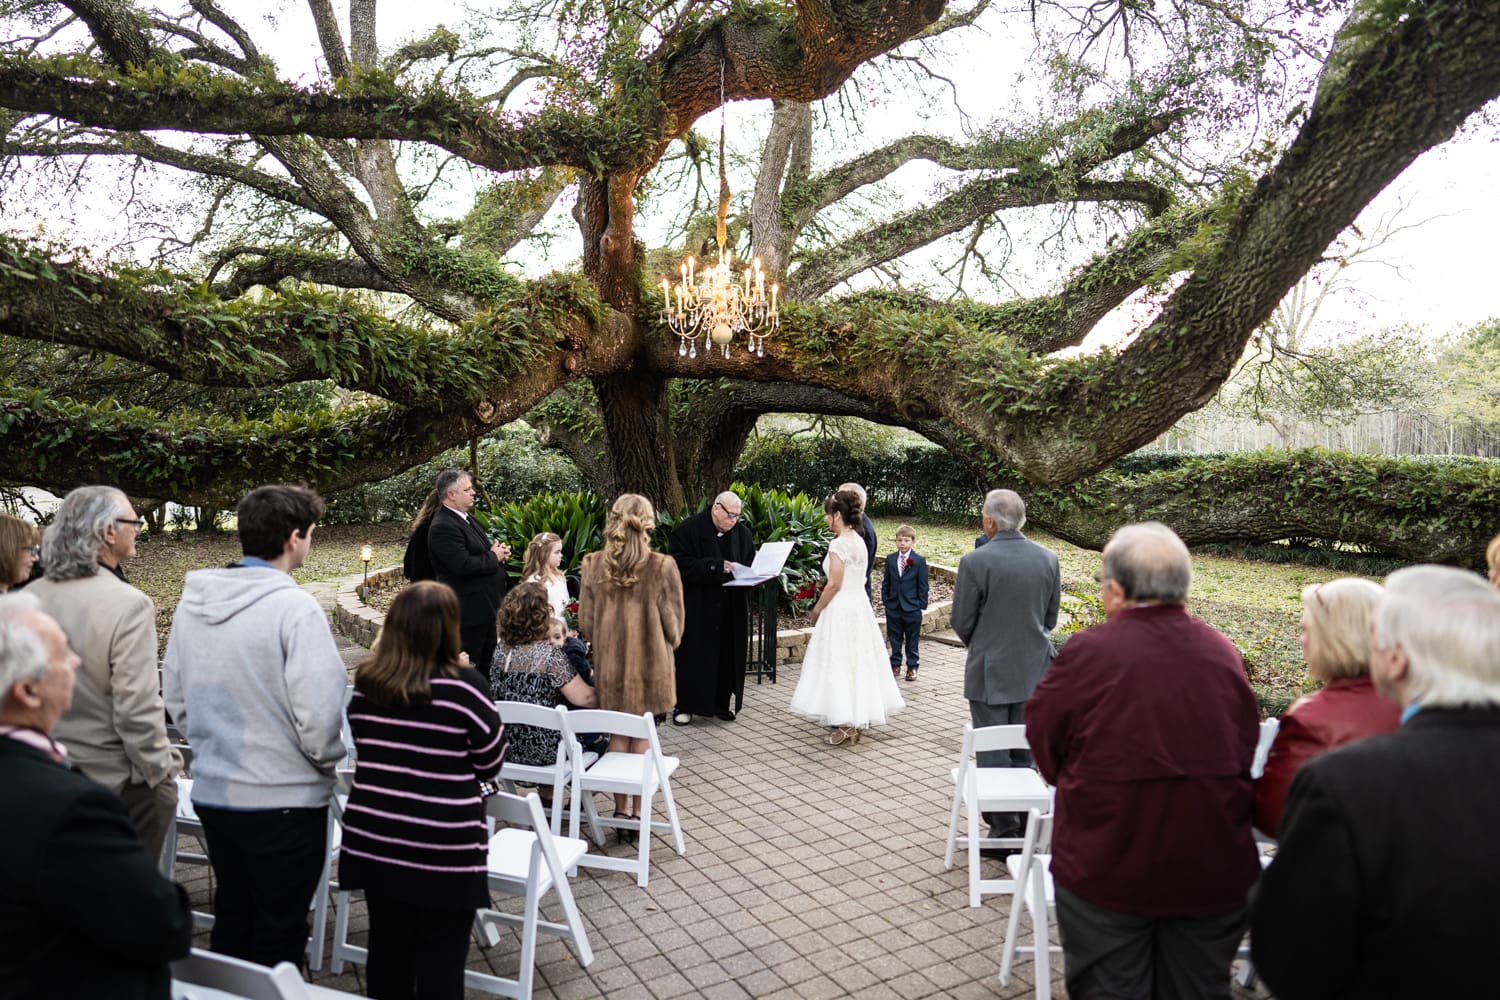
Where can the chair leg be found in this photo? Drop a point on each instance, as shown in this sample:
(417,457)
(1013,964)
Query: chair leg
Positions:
(973,818)
(319,918)
(527,972)
(342,901)
(671,804)
(167,862)
(953,826)
(644,858)
(1012,929)
(1041,954)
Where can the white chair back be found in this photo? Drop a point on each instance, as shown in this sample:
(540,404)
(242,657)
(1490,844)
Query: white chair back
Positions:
(640,775)
(234,977)
(977,790)
(565,767)
(1268,730)
(1034,893)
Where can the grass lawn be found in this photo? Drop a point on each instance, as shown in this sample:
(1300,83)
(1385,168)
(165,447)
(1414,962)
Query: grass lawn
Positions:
(1256,604)
(162,560)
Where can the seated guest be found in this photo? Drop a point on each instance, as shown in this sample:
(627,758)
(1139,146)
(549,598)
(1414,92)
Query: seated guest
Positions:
(426,734)
(20,546)
(529,668)
(83,910)
(1336,645)
(1386,877)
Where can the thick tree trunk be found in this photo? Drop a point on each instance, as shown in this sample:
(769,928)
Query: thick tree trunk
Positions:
(638,438)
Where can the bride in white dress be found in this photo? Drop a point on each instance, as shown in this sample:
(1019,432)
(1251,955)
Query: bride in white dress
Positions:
(846,682)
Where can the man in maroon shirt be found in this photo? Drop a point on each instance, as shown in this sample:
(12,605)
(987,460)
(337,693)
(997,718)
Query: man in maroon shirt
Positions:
(1147,726)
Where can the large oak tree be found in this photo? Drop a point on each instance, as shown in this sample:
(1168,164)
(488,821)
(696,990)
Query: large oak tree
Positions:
(325,257)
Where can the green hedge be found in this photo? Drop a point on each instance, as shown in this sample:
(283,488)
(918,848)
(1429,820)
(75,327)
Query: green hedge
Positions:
(901,479)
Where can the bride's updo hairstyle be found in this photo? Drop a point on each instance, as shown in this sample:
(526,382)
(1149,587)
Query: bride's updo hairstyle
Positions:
(627,539)
(847,505)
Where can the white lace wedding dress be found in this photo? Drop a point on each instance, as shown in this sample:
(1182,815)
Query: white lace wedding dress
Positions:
(846,672)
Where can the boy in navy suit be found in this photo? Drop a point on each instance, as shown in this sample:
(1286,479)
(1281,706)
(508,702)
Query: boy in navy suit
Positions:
(903,591)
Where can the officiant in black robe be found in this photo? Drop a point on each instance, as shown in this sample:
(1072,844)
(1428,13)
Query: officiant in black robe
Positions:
(715,639)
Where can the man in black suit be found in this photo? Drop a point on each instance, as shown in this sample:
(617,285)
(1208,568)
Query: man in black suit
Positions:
(1005,605)
(465,559)
(83,910)
(1386,874)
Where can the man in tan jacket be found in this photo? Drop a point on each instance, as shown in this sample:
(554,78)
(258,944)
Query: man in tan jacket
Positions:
(116,729)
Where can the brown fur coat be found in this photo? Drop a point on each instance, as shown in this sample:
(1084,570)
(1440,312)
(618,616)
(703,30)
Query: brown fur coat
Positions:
(633,631)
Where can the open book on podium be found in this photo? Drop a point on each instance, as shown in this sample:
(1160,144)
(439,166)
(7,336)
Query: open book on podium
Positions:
(769,559)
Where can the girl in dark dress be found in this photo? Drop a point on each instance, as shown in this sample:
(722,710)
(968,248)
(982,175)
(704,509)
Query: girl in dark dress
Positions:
(426,734)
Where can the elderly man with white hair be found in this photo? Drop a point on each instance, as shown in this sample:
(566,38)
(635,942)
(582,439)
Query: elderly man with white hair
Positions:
(1388,871)
(83,910)
(710,660)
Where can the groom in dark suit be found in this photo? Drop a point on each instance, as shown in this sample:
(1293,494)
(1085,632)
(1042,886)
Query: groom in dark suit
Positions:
(1005,605)
(465,559)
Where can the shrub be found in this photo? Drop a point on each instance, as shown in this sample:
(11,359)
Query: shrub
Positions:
(577,518)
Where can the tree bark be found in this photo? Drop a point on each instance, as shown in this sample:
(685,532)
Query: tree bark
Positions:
(637,434)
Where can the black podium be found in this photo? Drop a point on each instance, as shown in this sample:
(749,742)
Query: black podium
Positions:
(760,656)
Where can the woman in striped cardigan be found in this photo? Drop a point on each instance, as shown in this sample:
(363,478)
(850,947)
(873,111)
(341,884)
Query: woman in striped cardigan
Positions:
(426,734)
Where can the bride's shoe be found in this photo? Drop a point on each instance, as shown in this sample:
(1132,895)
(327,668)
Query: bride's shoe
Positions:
(839,734)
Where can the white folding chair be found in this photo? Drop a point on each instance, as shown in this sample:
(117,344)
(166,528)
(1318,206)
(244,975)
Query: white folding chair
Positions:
(991,789)
(1035,893)
(185,823)
(619,773)
(526,860)
(561,773)
(207,974)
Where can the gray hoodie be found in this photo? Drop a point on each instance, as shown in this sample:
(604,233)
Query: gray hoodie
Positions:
(252,678)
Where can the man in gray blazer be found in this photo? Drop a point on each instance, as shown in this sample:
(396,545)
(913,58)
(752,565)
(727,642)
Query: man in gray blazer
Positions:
(1004,608)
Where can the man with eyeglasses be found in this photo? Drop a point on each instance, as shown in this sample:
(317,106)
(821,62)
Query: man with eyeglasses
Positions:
(711,658)
(116,729)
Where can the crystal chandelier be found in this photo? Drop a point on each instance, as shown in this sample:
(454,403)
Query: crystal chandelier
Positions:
(716,303)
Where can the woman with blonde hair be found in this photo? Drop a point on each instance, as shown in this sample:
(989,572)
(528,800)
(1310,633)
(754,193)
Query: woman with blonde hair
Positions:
(630,608)
(1335,640)
(1492,556)
(426,735)
(543,565)
(20,545)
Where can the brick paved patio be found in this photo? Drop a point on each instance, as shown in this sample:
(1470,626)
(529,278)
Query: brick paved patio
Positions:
(812,871)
